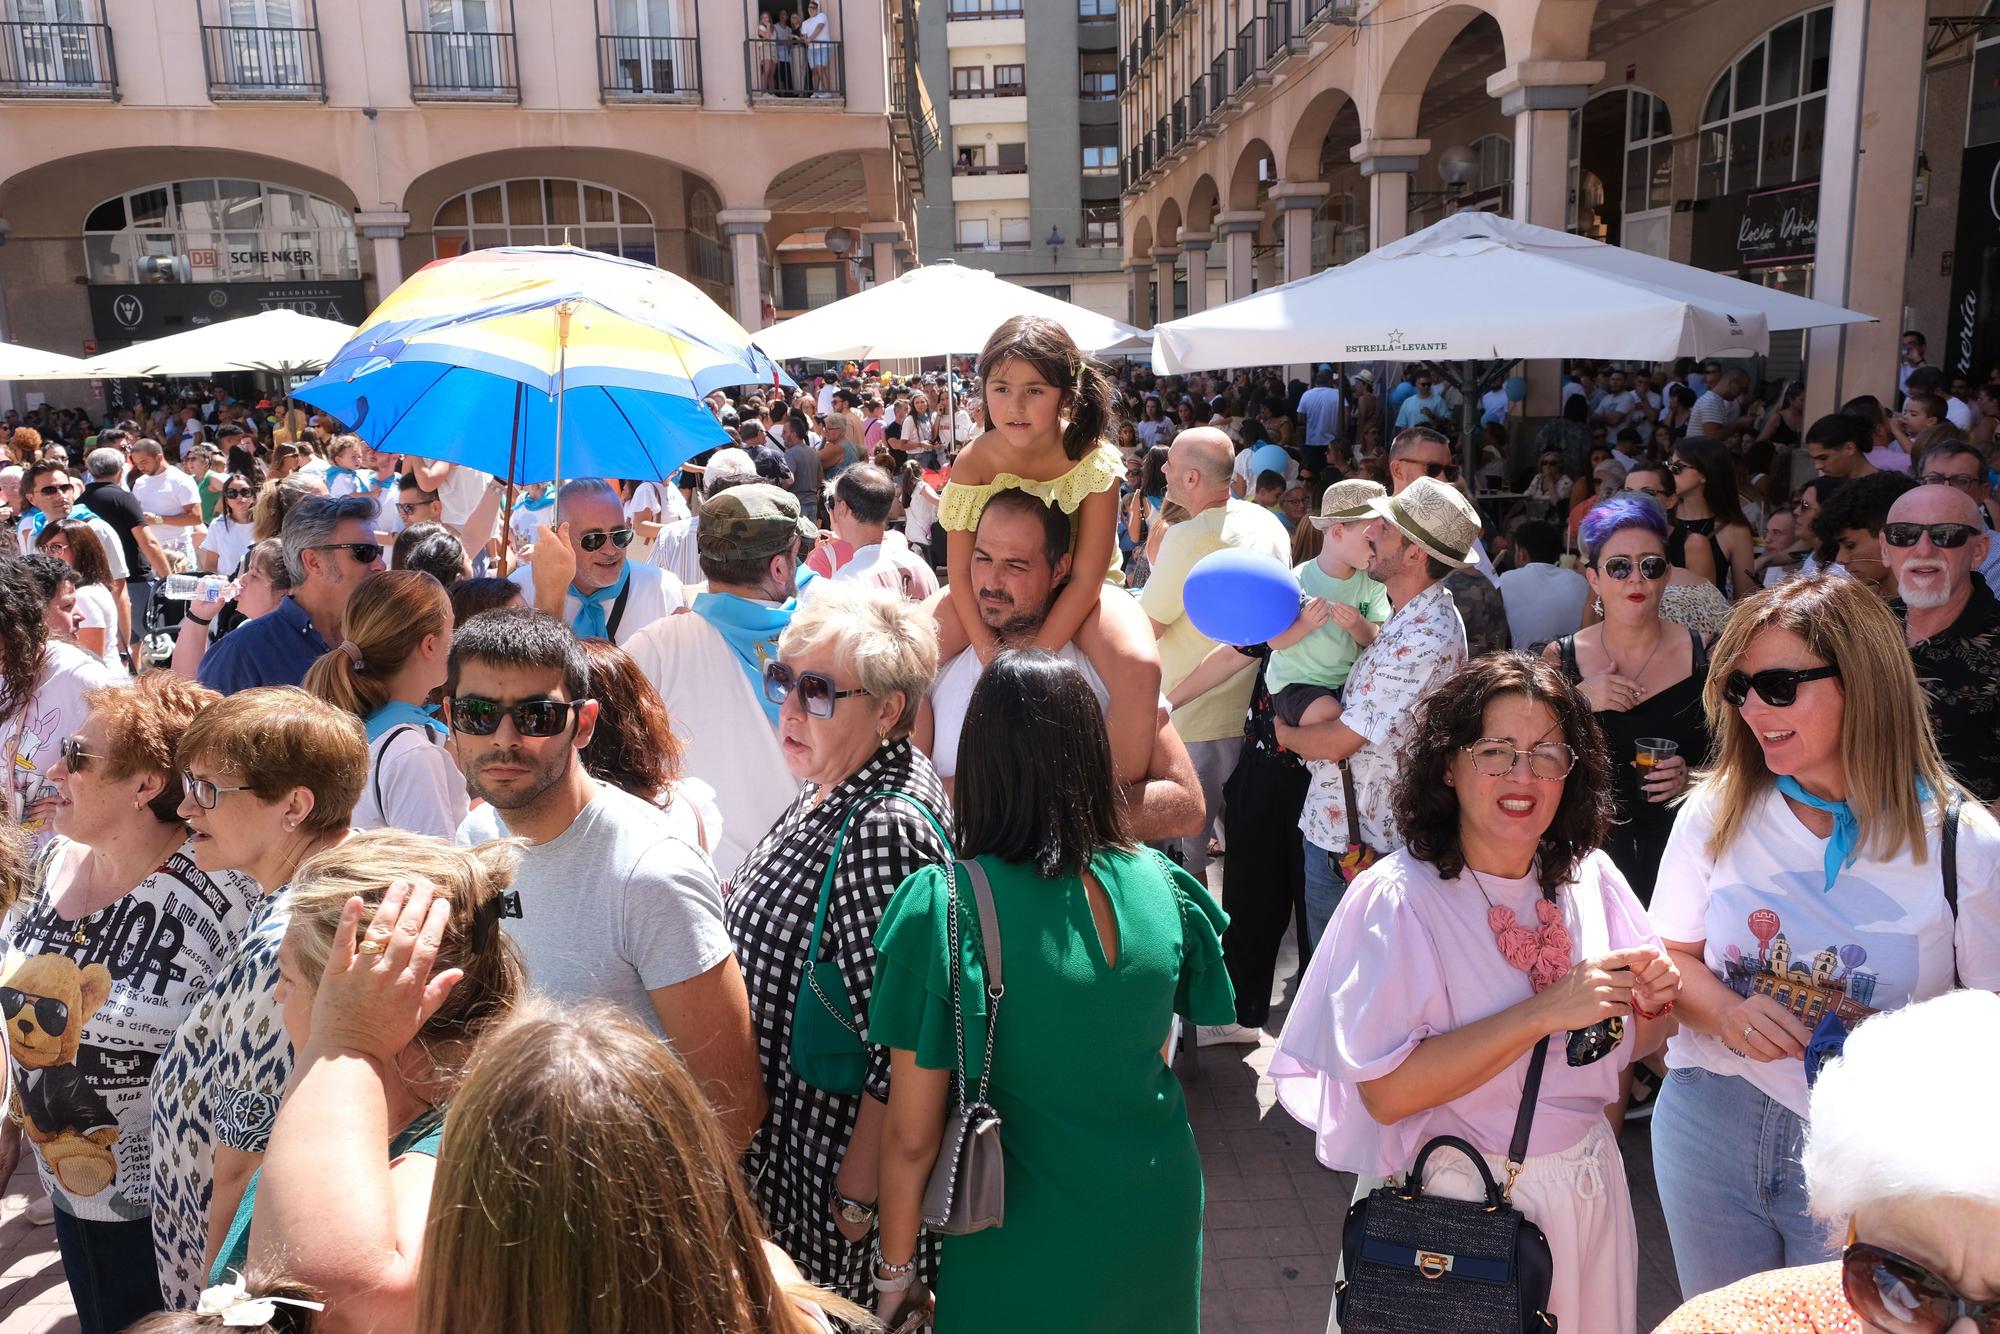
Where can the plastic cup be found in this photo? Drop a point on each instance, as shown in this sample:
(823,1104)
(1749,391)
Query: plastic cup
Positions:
(1653,749)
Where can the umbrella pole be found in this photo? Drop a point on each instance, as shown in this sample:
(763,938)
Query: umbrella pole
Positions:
(563,313)
(513,451)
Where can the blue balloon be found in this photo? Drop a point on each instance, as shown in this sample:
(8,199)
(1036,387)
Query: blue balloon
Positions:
(1401,394)
(1517,389)
(1268,458)
(1240,597)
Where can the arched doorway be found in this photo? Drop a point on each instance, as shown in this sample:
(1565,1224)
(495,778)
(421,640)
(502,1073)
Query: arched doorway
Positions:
(1621,170)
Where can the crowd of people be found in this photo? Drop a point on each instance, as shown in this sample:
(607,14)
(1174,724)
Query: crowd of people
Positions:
(612,885)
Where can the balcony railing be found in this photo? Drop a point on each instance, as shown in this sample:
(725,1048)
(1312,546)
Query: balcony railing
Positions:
(1146,35)
(57,60)
(997,90)
(996,169)
(1246,53)
(969,9)
(795,69)
(262,63)
(1218,81)
(1197,102)
(649,69)
(1277,31)
(974,247)
(463,66)
(1179,118)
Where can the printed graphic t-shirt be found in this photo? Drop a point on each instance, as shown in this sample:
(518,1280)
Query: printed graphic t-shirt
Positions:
(1879,939)
(91,1004)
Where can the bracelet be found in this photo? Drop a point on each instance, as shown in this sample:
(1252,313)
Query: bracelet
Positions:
(882,1265)
(198,620)
(1660,1013)
(902,1284)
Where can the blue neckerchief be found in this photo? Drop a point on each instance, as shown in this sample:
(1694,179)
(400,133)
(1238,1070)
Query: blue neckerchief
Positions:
(394,714)
(590,622)
(1841,849)
(751,630)
(349,474)
(38,520)
(539,501)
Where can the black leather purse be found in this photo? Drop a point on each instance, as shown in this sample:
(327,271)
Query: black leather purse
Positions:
(1416,1264)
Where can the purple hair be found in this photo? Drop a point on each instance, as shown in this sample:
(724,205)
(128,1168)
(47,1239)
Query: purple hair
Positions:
(1616,515)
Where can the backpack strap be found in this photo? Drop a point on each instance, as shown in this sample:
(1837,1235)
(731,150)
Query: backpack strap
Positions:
(1948,864)
(382,753)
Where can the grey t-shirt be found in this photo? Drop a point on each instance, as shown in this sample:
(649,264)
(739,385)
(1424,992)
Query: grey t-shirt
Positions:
(614,907)
(806,471)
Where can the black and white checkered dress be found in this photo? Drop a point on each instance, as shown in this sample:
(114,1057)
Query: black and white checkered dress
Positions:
(798,1151)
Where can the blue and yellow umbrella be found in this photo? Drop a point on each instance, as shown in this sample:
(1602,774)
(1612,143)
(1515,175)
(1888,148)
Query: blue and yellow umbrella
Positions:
(538,362)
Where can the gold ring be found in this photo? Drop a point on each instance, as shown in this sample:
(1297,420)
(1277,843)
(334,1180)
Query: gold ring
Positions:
(370,946)
(1749,1031)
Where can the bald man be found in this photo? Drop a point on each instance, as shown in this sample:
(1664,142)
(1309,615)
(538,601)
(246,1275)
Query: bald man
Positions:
(1934,540)
(1198,464)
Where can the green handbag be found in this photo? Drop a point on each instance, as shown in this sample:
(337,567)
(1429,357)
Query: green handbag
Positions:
(829,1050)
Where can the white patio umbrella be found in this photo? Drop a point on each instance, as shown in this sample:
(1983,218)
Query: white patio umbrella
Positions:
(1478,286)
(281,341)
(28,363)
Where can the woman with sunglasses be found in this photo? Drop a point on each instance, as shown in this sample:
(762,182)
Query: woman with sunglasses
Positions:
(1905,1175)
(1802,890)
(850,672)
(117,940)
(1448,963)
(234,531)
(1707,506)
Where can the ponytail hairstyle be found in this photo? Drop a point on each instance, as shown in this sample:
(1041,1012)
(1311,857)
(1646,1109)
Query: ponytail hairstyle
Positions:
(1046,346)
(387,619)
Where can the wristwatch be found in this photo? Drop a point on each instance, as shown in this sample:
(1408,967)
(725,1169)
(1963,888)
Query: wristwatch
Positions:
(852,1211)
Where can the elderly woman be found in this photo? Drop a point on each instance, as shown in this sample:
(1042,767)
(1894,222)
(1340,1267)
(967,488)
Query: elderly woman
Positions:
(1101,937)
(1801,892)
(850,671)
(384,1021)
(1907,1177)
(119,936)
(1425,1001)
(1642,677)
(268,778)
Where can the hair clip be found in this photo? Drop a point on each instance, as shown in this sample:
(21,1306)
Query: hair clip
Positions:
(507,903)
(237,1309)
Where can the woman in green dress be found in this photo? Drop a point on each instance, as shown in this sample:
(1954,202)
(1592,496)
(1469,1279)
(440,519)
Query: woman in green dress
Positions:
(1102,942)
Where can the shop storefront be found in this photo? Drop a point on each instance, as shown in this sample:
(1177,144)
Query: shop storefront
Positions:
(1972,338)
(1766,236)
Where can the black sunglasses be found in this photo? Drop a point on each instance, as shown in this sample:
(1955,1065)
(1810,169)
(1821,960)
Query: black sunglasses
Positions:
(74,755)
(1678,466)
(367,553)
(51,1014)
(1650,568)
(475,716)
(1895,1293)
(237,493)
(816,689)
(58,490)
(619,537)
(1448,471)
(1944,536)
(1778,686)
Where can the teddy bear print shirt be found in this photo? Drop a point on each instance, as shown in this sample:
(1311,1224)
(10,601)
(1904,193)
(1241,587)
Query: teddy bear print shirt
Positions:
(90,1004)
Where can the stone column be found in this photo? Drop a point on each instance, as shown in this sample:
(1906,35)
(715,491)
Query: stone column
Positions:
(1142,292)
(1195,246)
(1239,239)
(745,229)
(1267,268)
(1297,202)
(385,232)
(1163,282)
(1387,164)
(1539,95)
(882,238)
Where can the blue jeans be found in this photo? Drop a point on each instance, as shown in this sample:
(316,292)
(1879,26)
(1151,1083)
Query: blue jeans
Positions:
(1324,886)
(1727,1160)
(110,1268)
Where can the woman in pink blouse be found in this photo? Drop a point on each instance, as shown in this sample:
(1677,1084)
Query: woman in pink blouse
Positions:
(1500,923)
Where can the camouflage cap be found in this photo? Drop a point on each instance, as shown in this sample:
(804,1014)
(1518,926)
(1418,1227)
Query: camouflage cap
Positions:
(751,522)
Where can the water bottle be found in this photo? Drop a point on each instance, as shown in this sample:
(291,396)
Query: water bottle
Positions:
(196,587)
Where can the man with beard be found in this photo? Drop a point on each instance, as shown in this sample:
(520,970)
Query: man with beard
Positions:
(1934,541)
(1020,563)
(583,574)
(613,906)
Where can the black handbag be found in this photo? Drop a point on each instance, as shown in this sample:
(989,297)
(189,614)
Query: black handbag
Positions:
(1416,1264)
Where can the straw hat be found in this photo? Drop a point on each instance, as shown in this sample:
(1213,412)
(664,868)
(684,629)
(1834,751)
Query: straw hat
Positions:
(1436,517)
(1348,499)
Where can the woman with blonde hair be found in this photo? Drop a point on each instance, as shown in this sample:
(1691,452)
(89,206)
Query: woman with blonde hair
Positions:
(395,646)
(383,1021)
(1825,869)
(584,1184)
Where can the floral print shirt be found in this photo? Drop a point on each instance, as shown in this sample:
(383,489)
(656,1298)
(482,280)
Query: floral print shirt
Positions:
(1956,669)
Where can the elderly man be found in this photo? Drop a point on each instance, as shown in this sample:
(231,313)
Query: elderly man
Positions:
(1198,471)
(1935,540)
(1961,466)
(583,577)
(1420,535)
(330,549)
(1020,564)
(862,499)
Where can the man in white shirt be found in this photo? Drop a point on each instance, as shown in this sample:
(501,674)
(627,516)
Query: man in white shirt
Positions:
(1426,407)
(677,549)
(828,387)
(862,499)
(709,665)
(1543,600)
(1912,360)
(580,574)
(1717,410)
(169,497)
(1619,403)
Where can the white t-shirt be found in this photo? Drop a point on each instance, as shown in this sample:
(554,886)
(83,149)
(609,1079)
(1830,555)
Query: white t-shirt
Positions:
(921,514)
(230,541)
(1543,602)
(888,564)
(168,492)
(1880,939)
(99,606)
(731,744)
(459,494)
(527,523)
(1958,412)
(690,810)
(56,710)
(825,402)
(412,784)
(951,695)
(675,551)
(652,593)
(646,496)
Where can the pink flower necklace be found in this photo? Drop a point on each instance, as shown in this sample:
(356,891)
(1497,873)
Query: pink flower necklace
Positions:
(1544,953)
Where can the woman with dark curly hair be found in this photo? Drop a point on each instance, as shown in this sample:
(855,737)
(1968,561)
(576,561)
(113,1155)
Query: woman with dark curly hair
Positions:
(1499,925)
(634,747)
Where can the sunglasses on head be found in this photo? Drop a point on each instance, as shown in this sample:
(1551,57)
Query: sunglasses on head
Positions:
(817,691)
(1447,471)
(1895,1293)
(1944,536)
(618,537)
(1651,568)
(476,716)
(367,553)
(51,1014)
(1777,686)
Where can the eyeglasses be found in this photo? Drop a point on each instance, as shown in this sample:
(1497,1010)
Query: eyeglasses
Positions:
(1650,568)
(50,1013)
(407,508)
(1890,1291)
(816,689)
(1778,686)
(1944,536)
(1678,466)
(1965,484)
(475,716)
(205,791)
(61,489)
(367,553)
(618,537)
(237,493)
(74,755)
(1448,471)
(1496,758)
